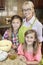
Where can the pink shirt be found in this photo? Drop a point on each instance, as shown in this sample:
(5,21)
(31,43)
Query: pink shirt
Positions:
(29,56)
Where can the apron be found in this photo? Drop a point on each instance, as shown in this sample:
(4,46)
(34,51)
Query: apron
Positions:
(22,31)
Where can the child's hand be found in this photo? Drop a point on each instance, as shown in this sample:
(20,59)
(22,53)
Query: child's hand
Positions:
(22,58)
(14,46)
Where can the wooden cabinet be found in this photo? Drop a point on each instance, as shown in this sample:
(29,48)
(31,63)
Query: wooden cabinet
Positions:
(3,28)
(38,3)
(2,4)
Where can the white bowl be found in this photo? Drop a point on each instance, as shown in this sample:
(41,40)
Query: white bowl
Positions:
(3,55)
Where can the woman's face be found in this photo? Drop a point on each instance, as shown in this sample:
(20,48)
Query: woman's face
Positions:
(30,38)
(16,23)
(27,11)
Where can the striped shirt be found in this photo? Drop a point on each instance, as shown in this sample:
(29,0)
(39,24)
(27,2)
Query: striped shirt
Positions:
(14,38)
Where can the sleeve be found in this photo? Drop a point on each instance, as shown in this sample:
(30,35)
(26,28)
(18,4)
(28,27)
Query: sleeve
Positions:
(5,36)
(38,55)
(39,30)
(42,32)
(20,50)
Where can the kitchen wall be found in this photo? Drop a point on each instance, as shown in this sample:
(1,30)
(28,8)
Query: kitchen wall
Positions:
(10,8)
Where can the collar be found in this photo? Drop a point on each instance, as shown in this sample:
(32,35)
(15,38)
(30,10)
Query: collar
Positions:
(30,21)
(13,35)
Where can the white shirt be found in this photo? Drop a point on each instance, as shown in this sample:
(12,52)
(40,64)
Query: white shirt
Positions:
(37,26)
(42,33)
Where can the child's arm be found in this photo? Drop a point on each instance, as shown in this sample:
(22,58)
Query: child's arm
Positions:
(32,62)
(5,36)
(14,46)
(20,50)
(23,59)
(38,55)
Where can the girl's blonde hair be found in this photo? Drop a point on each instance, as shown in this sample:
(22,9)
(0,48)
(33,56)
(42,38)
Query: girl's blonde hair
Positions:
(30,3)
(35,43)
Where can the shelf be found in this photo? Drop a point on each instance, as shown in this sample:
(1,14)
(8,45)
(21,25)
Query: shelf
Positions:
(5,26)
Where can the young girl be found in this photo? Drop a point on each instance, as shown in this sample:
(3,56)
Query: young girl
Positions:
(12,33)
(31,49)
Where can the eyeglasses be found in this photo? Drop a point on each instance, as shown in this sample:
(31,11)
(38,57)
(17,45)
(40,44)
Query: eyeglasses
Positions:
(29,9)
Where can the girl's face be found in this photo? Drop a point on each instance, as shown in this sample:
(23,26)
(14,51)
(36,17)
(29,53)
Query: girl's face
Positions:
(27,11)
(16,23)
(30,38)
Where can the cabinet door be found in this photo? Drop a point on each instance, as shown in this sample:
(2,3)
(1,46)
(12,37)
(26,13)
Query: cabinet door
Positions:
(2,4)
(38,3)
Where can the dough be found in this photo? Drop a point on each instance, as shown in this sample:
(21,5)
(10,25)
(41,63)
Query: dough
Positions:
(5,45)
